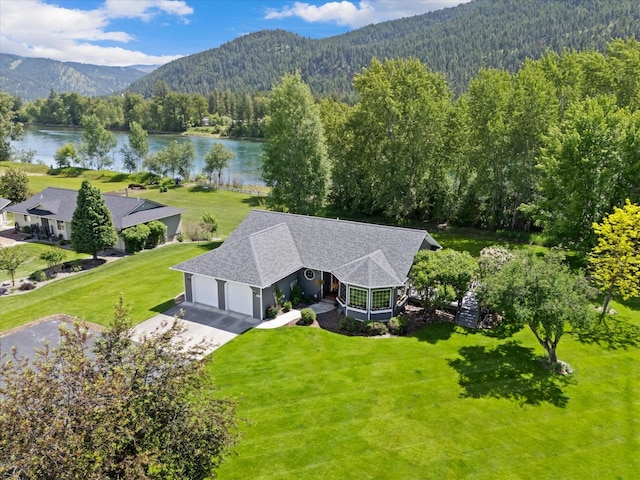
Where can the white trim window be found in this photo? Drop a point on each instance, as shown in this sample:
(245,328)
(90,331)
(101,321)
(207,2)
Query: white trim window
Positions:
(381,299)
(358,298)
(60,225)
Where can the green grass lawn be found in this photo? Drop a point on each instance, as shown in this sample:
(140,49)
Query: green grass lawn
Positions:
(144,279)
(446,403)
(34,263)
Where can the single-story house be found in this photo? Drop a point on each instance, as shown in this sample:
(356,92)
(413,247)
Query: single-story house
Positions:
(365,267)
(4,203)
(50,212)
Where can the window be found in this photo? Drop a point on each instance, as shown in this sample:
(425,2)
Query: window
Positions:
(309,274)
(358,298)
(381,299)
(27,218)
(60,225)
(342,292)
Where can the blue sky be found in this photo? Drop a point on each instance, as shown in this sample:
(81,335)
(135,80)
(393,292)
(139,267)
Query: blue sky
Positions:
(129,32)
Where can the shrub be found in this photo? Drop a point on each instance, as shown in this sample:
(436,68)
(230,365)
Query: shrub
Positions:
(210,221)
(349,324)
(53,256)
(137,186)
(27,286)
(38,276)
(179,237)
(272,312)
(296,294)
(287,306)
(27,229)
(397,325)
(135,237)
(307,316)
(157,233)
(76,268)
(375,328)
(195,231)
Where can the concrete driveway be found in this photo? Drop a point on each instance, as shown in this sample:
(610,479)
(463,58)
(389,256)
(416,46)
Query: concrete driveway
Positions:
(215,326)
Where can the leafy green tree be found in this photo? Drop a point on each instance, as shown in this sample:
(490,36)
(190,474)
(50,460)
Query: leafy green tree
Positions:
(11,258)
(582,171)
(66,155)
(157,233)
(615,261)
(295,154)
(135,238)
(210,222)
(53,256)
(443,276)
(129,158)
(540,293)
(98,142)
(217,159)
(156,164)
(177,157)
(397,132)
(14,185)
(492,259)
(91,225)
(138,142)
(10,129)
(111,405)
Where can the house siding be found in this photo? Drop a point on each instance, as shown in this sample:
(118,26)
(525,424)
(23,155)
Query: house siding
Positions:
(174,226)
(285,287)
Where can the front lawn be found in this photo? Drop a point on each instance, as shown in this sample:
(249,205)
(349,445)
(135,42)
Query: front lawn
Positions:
(34,263)
(446,403)
(144,279)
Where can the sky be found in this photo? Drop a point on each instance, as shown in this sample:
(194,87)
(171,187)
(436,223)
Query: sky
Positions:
(154,32)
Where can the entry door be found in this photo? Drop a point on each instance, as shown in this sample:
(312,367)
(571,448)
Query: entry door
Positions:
(45,227)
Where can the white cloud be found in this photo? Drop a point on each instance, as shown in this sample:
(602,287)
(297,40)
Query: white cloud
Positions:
(358,14)
(33,28)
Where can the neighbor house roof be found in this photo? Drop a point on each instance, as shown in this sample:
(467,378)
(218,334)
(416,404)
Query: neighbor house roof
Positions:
(267,246)
(60,203)
(4,202)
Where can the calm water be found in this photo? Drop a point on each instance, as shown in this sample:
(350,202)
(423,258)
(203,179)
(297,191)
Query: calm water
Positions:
(245,167)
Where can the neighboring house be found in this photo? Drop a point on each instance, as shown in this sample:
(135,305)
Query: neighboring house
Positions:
(50,213)
(364,267)
(4,203)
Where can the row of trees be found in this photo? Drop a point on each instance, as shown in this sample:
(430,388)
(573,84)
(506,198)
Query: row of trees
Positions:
(230,113)
(553,146)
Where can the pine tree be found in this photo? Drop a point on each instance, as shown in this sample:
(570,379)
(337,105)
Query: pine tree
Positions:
(91,226)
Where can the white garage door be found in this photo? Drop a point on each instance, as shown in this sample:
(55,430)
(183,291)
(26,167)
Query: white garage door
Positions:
(205,290)
(239,298)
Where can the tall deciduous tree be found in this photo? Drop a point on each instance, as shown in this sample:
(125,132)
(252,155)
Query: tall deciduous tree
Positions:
(217,159)
(14,185)
(98,142)
(10,129)
(138,142)
(583,170)
(295,158)
(106,406)
(539,293)
(65,155)
(91,225)
(615,260)
(395,163)
(177,157)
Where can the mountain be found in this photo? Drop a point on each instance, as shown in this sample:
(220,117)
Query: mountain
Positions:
(32,78)
(457,41)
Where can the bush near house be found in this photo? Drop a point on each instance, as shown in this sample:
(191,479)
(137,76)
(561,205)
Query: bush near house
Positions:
(135,237)
(307,316)
(349,324)
(375,328)
(157,233)
(397,325)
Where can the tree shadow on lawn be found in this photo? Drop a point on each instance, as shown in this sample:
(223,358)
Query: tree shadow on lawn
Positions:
(611,334)
(510,371)
(436,332)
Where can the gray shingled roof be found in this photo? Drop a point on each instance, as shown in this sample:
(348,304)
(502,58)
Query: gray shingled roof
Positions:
(4,202)
(60,203)
(267,246)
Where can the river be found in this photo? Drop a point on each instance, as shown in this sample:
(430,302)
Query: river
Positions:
(245,168)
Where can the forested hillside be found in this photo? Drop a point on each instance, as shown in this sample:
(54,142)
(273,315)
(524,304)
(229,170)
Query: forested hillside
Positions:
(456,41)
(31,78)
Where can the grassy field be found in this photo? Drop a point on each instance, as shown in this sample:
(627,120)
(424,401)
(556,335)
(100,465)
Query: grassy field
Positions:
(444,404)
(144,279)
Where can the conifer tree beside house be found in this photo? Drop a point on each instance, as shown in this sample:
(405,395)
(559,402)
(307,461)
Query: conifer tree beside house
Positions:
(92,227)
